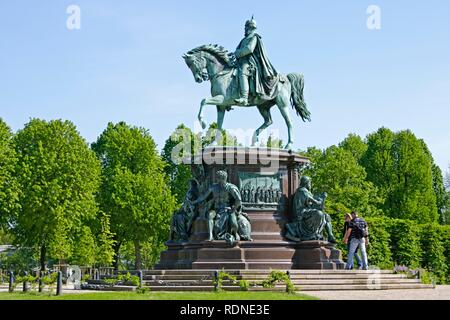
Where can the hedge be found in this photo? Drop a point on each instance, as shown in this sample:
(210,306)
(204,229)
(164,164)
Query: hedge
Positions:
(433,258)
(405,242)
(446,243)
(379,250)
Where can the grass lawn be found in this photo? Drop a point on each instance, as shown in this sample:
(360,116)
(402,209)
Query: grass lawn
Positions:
(239,295)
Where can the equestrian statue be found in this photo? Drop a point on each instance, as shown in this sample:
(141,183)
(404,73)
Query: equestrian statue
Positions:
(246,78)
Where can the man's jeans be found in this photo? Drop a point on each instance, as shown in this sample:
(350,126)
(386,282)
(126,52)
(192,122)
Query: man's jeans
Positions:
(354,243)
(357,256)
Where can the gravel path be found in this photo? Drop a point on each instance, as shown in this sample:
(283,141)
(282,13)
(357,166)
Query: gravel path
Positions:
(440,293)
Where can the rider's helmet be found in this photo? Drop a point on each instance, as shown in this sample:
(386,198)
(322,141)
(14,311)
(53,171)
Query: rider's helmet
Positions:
(251,23)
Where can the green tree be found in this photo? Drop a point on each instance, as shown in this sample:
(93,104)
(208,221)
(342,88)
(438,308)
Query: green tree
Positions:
(104,240)
(19,259)
(438,185)
(9,191)
(354,144)
(134,191)
(413,196)
(401,169)
(5,237)
(93,243)
(150,254)
(181,145)
(58,178)
(445,215)
(447,180)
(378,160)
(84,251)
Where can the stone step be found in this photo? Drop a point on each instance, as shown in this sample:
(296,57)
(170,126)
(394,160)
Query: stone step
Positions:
(305,280)
(328,278)
(308,271)
(332,276)
(178,277)
(300,289)
(113,288)
(343,287)
(264,272)
(354,281)
(350,276)
(366,287)
(293,277)
(184,288)
(299,282)
(262,277)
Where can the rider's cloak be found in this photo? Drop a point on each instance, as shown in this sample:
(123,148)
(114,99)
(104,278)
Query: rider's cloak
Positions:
(265,77)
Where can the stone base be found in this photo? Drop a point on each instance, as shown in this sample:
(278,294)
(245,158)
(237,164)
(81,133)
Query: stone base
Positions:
(269,248)
(247,255)
(317,255)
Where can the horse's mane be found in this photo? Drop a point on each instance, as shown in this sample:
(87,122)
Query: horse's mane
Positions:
(218,51)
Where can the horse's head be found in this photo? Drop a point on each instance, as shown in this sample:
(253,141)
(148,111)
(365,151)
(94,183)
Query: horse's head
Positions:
(197,63)
(205,61)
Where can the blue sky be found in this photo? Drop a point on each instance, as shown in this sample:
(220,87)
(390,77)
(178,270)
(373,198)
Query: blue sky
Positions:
(125,64)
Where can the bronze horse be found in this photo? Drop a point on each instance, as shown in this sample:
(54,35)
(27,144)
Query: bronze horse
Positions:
(213,63)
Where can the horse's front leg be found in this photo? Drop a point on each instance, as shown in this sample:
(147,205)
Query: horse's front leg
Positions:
(200,114)
(216,100)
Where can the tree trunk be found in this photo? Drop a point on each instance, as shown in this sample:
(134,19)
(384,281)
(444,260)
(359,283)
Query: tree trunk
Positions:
(137,250)
(116,248)
(43,257)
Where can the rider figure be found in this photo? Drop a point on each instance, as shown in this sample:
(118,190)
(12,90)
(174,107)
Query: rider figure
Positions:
(251,56)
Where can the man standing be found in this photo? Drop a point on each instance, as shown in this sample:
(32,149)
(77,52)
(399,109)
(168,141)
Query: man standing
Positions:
(357,236)
(347,220)
(252,61)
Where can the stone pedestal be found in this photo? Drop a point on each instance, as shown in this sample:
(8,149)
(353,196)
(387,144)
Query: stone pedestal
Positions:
(317,255)
(274,176)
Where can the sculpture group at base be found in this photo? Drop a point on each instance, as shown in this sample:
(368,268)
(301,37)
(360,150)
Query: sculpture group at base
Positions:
(226,220)
(282,235)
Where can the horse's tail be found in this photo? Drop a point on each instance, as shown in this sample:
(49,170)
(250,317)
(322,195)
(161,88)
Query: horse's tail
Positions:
(297,84)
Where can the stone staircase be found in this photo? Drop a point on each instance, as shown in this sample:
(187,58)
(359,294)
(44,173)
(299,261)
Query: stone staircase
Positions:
(304,280)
